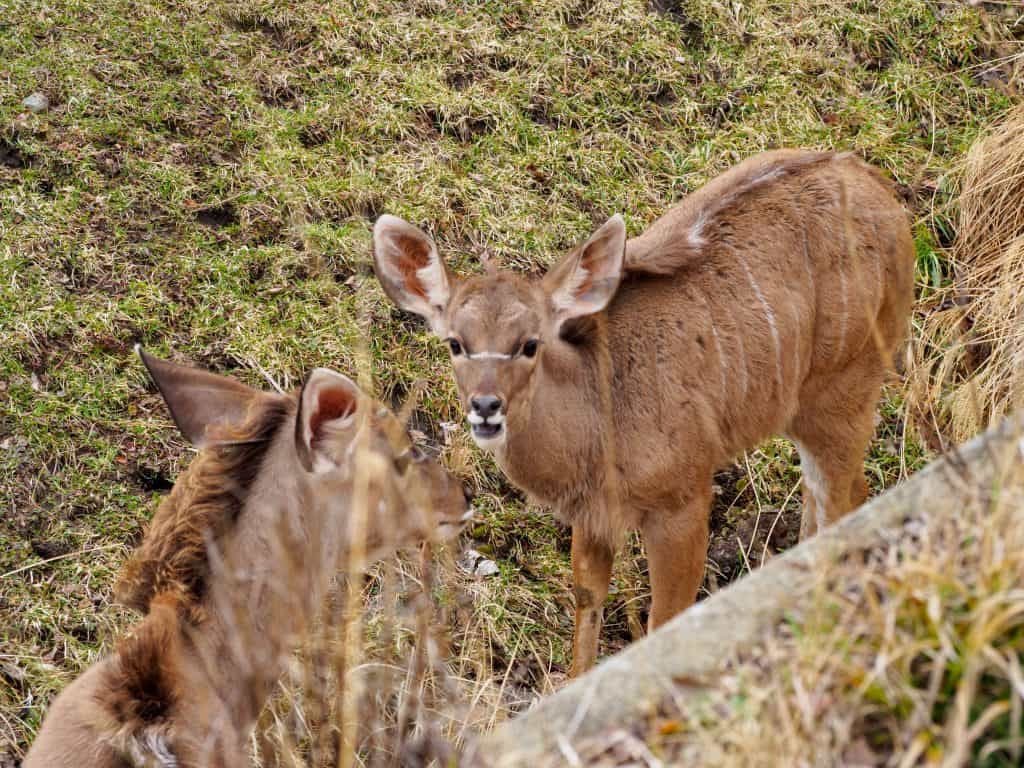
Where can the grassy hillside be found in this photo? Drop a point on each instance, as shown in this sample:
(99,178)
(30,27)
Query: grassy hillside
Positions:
(204,181)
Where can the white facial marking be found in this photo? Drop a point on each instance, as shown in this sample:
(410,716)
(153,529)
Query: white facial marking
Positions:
(488,356)
(488,442)
(769,314)
(475,418)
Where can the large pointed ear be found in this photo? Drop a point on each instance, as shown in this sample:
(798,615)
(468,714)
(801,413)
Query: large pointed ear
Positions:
(586,280)
(328,400)
(201,403)
(410,270)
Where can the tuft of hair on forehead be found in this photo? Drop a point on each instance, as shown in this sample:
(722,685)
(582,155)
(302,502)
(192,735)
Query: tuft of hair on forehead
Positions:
(491,310)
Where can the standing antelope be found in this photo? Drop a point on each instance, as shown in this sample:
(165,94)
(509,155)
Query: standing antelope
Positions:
(236,562)
(770,301)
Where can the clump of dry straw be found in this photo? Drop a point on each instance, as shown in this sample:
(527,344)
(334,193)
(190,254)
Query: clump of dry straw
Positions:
(971,363)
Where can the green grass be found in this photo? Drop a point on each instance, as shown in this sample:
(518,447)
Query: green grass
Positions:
(206,178)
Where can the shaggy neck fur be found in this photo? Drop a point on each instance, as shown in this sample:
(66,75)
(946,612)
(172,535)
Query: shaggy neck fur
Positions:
(202,508)
(229,574)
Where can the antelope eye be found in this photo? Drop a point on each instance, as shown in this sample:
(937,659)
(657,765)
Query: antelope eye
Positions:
(455,347)
(530,348)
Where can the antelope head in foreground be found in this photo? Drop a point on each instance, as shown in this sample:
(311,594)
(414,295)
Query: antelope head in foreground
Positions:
(285,491)
(768,302)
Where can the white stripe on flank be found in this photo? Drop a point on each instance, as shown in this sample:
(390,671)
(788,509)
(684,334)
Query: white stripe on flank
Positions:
(721,361)
(796,343)
(877,262)
(769,314)
(843,320)
(742,357)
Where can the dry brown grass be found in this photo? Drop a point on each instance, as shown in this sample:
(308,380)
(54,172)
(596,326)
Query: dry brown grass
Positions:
(907,656)
(382,680)
(970,368)
(408,691)
(206,179)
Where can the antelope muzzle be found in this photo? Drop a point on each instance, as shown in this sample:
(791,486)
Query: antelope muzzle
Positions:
(487,417)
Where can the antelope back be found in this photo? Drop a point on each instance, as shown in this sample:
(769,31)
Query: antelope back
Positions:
(695,337)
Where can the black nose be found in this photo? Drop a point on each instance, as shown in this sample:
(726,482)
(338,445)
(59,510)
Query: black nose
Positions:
(487,405)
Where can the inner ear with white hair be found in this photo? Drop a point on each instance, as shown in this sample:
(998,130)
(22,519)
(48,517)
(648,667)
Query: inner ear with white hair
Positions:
(410,270)
(586,280)
(328,401)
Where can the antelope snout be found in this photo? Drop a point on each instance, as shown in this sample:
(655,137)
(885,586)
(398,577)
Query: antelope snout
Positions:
(485,406)
(488,420)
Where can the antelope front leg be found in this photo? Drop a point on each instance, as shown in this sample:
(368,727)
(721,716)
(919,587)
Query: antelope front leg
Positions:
(591,572)
(677,548)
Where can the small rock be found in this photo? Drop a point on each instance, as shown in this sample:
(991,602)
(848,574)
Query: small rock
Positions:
(475,564)
(485,568)
(37,103)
